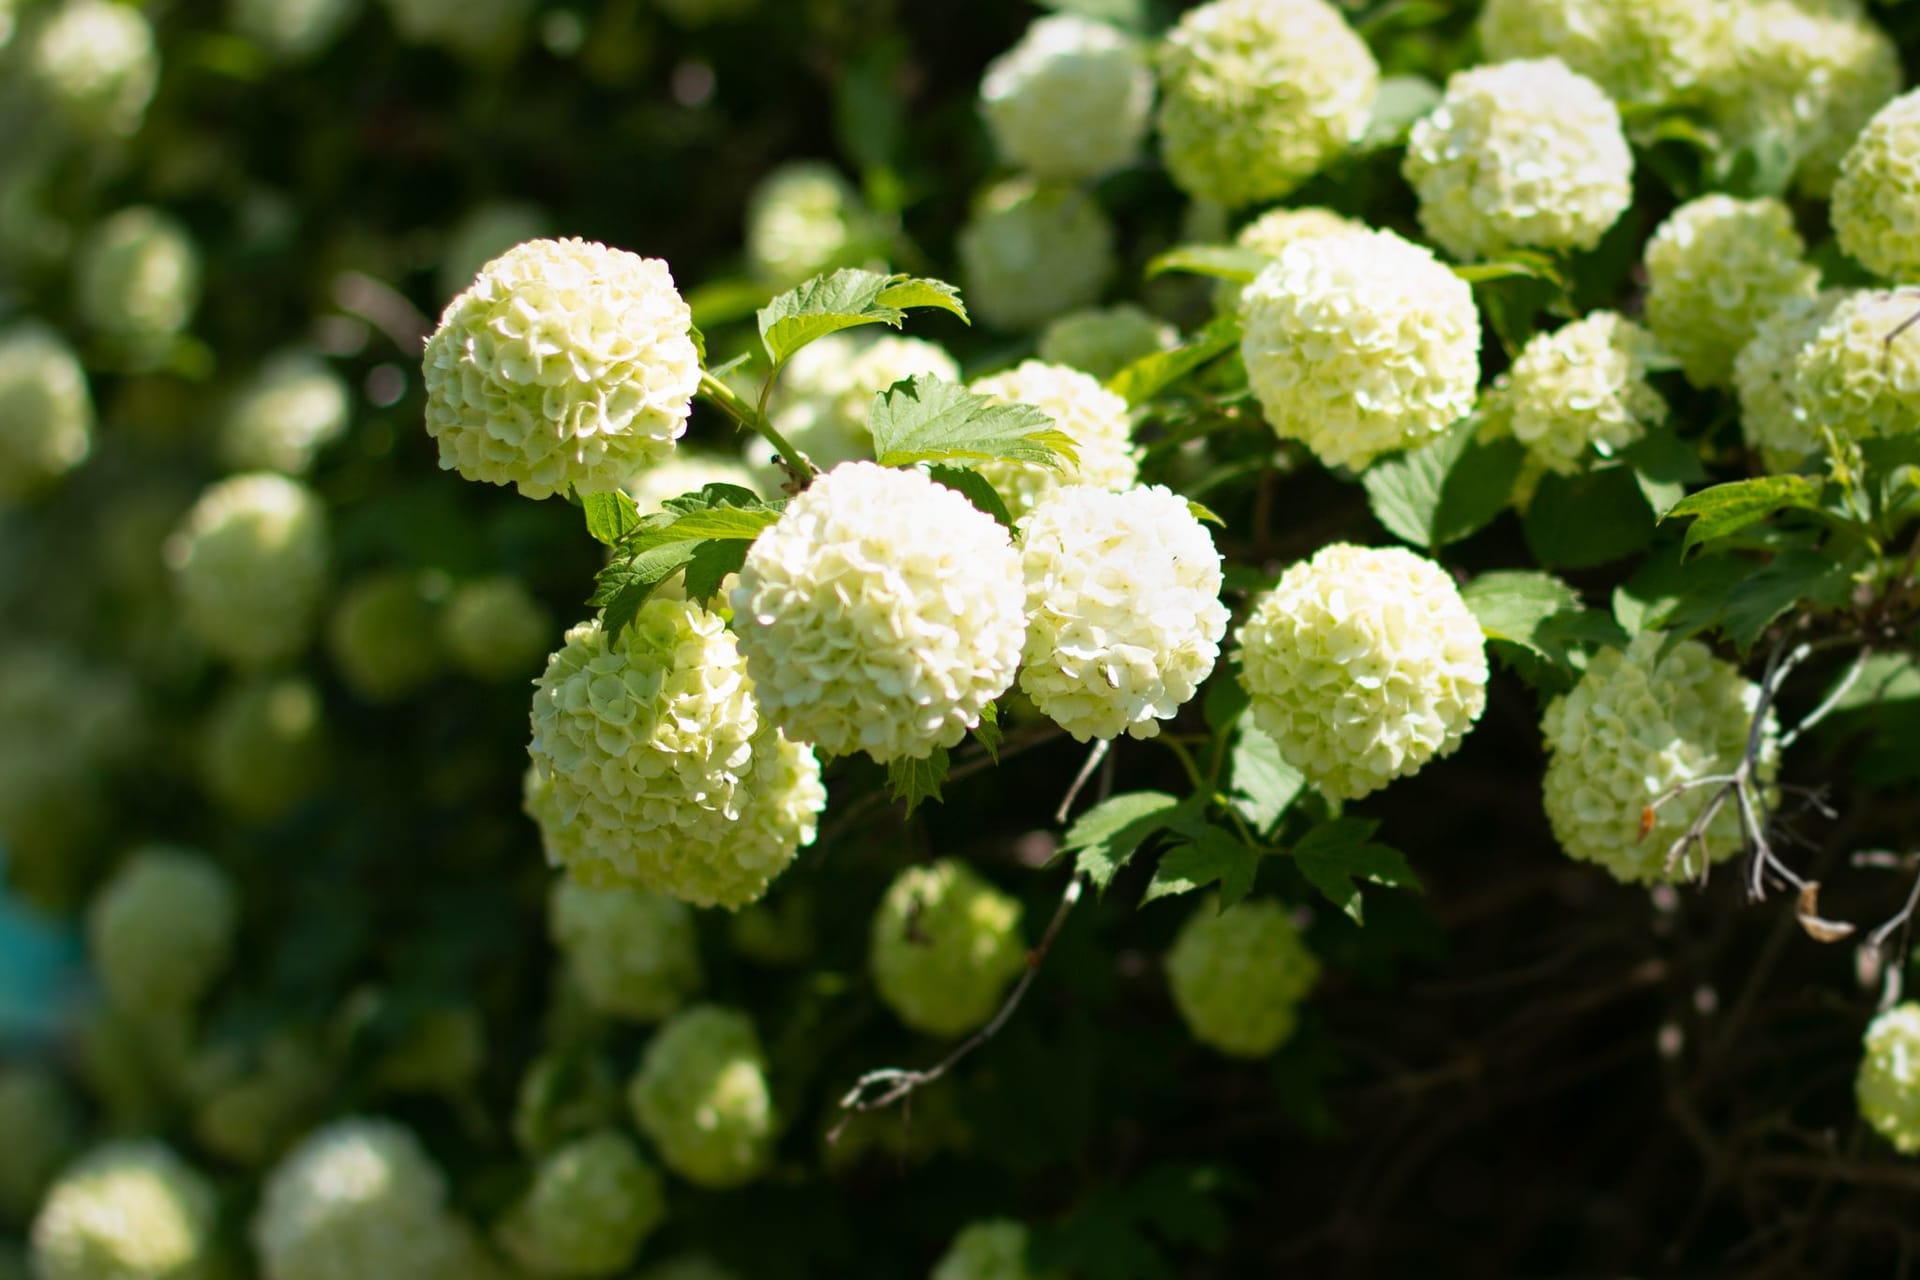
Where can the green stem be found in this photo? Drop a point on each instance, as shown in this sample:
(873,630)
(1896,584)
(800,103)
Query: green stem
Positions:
(745,416)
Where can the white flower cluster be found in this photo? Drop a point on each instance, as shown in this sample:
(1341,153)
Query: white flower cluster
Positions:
(1257,96)
(1363,664)
(1123,609)
(250,562)
(1847,376)
(701,1095)
(945,944)
(161,930)
(127,1211)
(493,628)
(1764,375)
(1577,393)
(265,746)
(995,1249)
(291,30)
(137,279)
(564,363)
(1093,418)
(95,64)
(1238,976)
(1879,182)
(802,219)
(1104,340)
(1273,231)
(632,953)
(46,409)
(591,1204)
(1069,101)
(1887,1088)
(654,767)
(1030,253)
(1642,51)
(1520,154)
(383,636)
(1637,725)
(881,613)
(1357,345)
(291,408)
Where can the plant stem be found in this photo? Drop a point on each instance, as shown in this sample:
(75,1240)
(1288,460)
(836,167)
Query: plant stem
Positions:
(745,416)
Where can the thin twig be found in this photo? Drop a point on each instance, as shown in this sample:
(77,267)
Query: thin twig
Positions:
(1094,757)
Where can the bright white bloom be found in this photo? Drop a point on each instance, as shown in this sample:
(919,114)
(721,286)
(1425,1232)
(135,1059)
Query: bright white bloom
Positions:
(138,276)
(881,613)
(1636,726)
(1875,198)
(632,953)
(493,629)
(995,1249)
(127,1211)
(591,1204)
(1257,96)
(46,413)
(40,1121)
(482,234)
(384,634)
(1851,378)
(1030,253)
(945,944)
(1887,1088)
(1123,609)
(1363,663)
(1637,50)
(293,406)
(1716,268)
(825,394)
(1361,344)
(1104,340)
(701,1095)
(1070,100)
(1094,418)
(292,30)
(264,749)
(684,473)
(95,64)
(1273,231)
(804,219)
(1577,393)
(161,930)
(1519,155)
(654,768)
(1238,976)
(1766,374)
(564,363)
(480,29)
(249,562)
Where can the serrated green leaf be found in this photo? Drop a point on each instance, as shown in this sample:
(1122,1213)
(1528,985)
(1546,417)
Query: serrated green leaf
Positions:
(1794,577)
(624,586)
(1728,508)
(917,291)
(1400,101)
(1216,855)
(846,299)
(1216,261)
(927,419)
(1334,855)
(1663,466)
(1510,605)
(710,496)
(917,781)
(610,516)
(1203,513)
(710,564)
(1446,490)
(988,732)
(1148,376)
(1516,264)
(724,523)
(1261,784)
(1113,831)
(976,488)
(1575,522)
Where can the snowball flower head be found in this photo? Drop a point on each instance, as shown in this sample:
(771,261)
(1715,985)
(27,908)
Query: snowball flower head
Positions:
(1363,664)
(881,613)
(129,1211)
(1879,189)
(701,1095)
(384,634)
(1257,96)
(631,953)
(995,1249)
(1088,414)
(1851,378)
(292,407)
(161,930)
(1773,415)
(46,413)
(249,562)
(1716,268)
(1637,50)
(138,276)
(1070,100)
(1578,393)
(654,768)
(493,628)
(803,219)
(265,746)
(1360,344)
(1887,1088)
(591,1204)
(945,944)
(825,395)
(41,1124)
(1104,340)
(1123,609)
(1637,725)
(292,30)
(1273,231)
(1030,253)
(1238,976)
(1520,154)
(95,64)
(564,363)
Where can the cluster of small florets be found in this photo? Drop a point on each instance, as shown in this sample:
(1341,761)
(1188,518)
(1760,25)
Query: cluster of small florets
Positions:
(39,1119)
(826,392)
(1070,101)
(653,766)
(250,561)
(94,62)
(1257,96)
(1104,340)
(1030,253)
(995,1249)
(701,1094)
(881,613)
(592,1203)
(1238,976)
(291,30)
(161,930)
(1635,728)
(264,748)
(632,953)
(803,219)
(1850,378)
(945,945)
(130,1211)
(1361,344)
(1716,268)
(1765,375)
(46,407)
(288,411)
(565,363)
(1577,393)
(384,634)
(493,628)
(1874,197)
(138,277)
(1123,611)
(1363,664)
(1093,418)
(1887,1088)
(472,28)
(1643,51)
(1520,155)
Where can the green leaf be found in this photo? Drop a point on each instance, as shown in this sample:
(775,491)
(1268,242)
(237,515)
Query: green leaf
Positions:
(1335,854)
(925,419)
(1113,831)
(917,781)
(1575,522)
(1511,604)
(724,522)
(610,516)
(1446,490)
(988,732)
(710,564)
(1400,101)
(1517,264)
(1148,376)
(623,587)
(976,488)
(1261,784)
(1204,514)
(1794,577)
(846,299)
(1663,465)
(1214,855)
(1219,261)
(1728,508)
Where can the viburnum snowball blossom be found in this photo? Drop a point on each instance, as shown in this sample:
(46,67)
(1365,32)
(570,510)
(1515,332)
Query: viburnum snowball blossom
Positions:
(384,635)
(1577,393)
(1257,96)
(565,363)
(1878,190)
(137,277)
(493,628)
(1645,51)
(1851,378)
(1522,154)
(881,613)
(289,410)
(1094,418)
(995,1249)
(1887,1088)
(95,63)
(41,1123)
(127,1211)
(161,930)
(264,748)
(249,562)
(46,412)
(631,952)
(1773,415)
(945,944)
(1070,100)
(1360,344)
(1273,231)
(802,219)
(653,766)
(589,1207)
(291,30)
(472,28)
(1636,725)
(1104,340)
(1363,663)
(701,1095)
(1238,976)
(1031,252)
(1716,268)
(1123,609)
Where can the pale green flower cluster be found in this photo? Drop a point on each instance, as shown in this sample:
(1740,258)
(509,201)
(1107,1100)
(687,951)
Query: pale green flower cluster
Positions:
(1773,417)
(383,636)
(591,1204)
(565,363)
(161,930)
(1887,1088)
(1643,51)
(1576,394)
(292,30)
(126,1211)
(1637,725)
(1093,418)
(1104,340)
(39,1119)
(480,29)
(1238,976)
(493,628)
(95,64)
(802,219)
(137,280)
(1273,231)
(1071,100)
(1357,345)
(46,408)
(292,407)
(701,1095)
(1879,183)
(1257,96)
(249,562)
(995,1249)
(1851,378)
(1363,664)
(945,944)
(632,953)
(264,748)
(1031,252)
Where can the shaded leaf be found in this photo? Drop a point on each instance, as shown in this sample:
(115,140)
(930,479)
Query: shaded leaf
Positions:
(917,781)
(1334,855)
(1151,374)
(988,732)
(1511,604)
(1113,831)
(610,516)
(1728,508)
(1215,854)
(1793,577)
(1261,784)
(1400,101)
(1663,465)
(976,488)
(925,419)
(1575,522)
(710,564)
(1516,264)
(1218,261)
(1443,491)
